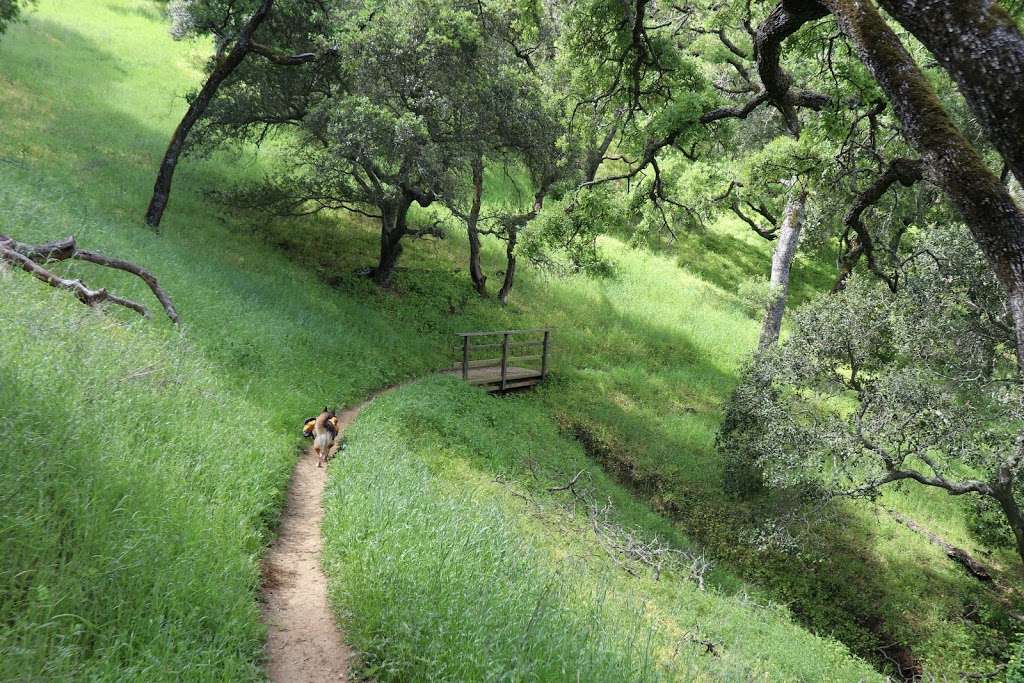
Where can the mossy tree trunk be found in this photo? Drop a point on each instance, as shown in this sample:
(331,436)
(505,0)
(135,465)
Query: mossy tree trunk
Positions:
(950,161)
(394,225)
(982,49)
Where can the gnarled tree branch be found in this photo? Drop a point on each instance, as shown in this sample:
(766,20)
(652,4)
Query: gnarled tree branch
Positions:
(906,172)
(28,256)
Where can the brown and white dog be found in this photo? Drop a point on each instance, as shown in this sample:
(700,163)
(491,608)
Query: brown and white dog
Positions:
(324,430)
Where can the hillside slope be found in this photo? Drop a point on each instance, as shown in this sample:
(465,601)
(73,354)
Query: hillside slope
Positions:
(143,467)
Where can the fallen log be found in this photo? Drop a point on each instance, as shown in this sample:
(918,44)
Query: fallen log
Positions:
(959,555)
(30,257)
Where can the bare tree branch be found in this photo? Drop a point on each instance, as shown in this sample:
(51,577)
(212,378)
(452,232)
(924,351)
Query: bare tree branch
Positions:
(26,256)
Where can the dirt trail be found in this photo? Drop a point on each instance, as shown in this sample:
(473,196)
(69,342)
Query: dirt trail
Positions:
(304,644)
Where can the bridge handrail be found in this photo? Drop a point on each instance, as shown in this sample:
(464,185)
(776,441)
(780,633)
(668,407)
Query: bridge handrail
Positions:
(505,350)
(500,332)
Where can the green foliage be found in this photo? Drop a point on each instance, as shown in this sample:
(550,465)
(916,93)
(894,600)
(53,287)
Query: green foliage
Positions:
(10,11)
(877,386)
(1015,669)
(757,293)
(987,523)
(564,235)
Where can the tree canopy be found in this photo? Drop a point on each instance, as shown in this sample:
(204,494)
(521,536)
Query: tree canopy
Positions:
(882,135)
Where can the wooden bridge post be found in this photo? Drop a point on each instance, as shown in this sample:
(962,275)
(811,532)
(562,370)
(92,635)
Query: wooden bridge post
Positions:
(544,356)
(465,358)
(504,361)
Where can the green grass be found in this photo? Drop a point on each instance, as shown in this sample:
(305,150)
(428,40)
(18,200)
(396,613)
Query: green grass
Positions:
(451,560)
(141,468)
(132,501)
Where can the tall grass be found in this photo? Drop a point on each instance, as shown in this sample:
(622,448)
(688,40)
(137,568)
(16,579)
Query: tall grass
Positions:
(133,499)
(450,559)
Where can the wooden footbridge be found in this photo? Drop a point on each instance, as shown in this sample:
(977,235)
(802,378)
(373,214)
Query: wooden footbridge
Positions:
(513,359)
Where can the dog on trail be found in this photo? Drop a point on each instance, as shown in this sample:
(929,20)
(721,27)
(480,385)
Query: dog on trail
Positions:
(310,422)
(324,430)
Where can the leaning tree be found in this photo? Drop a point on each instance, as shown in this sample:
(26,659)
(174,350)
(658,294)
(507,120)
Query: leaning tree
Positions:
(284,33)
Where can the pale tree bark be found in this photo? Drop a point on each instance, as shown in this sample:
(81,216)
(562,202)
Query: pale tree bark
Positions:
(782,263)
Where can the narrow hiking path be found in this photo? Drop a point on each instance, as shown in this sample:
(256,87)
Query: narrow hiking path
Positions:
(303,642)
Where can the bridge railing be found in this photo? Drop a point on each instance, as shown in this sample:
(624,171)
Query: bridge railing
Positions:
(516,355)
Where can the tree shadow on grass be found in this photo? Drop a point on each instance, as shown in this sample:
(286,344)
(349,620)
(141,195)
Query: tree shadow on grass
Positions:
(727,260)
(154,10)
(840,583)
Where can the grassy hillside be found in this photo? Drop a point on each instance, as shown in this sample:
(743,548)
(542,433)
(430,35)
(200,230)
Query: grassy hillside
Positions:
(451,559)
(134,500)
(141,466)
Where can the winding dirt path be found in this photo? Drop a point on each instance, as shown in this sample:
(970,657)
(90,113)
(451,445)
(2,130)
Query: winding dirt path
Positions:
(304,644)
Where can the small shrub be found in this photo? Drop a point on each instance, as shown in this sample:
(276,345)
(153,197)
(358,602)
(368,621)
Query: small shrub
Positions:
(756,294)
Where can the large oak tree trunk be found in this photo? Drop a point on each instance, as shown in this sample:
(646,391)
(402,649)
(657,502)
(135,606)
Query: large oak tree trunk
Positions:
(476,273)
(782,263)
(950,162)
(225,65)
(982,49)
(393,227)
(1013,515)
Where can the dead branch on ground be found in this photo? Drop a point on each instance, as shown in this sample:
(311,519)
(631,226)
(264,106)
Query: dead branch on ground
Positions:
(29,258)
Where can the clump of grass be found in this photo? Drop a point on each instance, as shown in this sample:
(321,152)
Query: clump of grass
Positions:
(450,559)
(439,586)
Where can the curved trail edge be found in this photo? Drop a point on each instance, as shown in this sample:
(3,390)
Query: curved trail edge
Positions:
(304,643)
